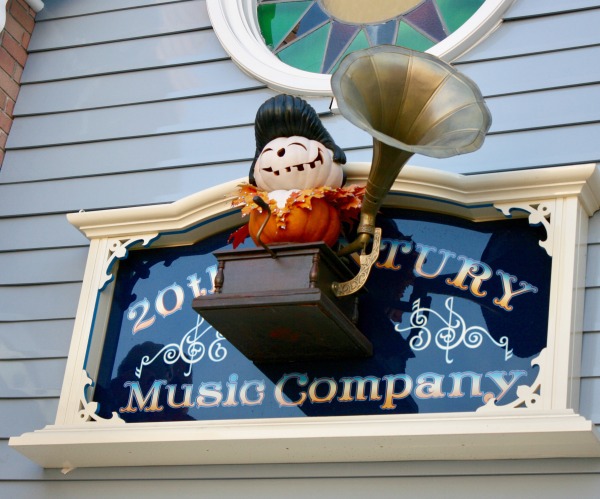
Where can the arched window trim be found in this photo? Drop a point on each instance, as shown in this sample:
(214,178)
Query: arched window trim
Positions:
(236,25)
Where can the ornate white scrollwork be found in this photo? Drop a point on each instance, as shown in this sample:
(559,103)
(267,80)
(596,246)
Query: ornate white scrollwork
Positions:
(88,410)
(118,250)
(190,350)
(453,333)
(539,213)
(527,396)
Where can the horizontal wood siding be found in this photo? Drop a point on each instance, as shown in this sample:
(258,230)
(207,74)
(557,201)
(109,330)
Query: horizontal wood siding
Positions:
(42,266)
(135,102)
(151,85)
(20,415)
(151,20)
(35,339)
(591,355)
(590,364)
(525,149)
(122,56)
(548,33)
(528,8)
(355,487)
(526,111)
(564,69)
(17,302)
(44,231)
(156,118)
(56,9)
(145,153)
(31,379)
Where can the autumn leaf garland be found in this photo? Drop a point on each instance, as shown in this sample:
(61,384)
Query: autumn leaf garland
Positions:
(347,200)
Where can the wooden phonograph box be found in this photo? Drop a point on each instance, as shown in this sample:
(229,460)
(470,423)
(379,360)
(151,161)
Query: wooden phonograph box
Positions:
(275,309)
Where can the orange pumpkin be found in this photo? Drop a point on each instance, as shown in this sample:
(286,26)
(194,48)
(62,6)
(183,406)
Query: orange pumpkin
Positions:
(321,223)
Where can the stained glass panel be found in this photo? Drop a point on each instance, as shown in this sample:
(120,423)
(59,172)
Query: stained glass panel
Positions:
(360,42)
(409,37)
(307,53)
(340,35)
(425,18)
(313,18)
(455,13)
(276,20)
(304,34)
(382,34)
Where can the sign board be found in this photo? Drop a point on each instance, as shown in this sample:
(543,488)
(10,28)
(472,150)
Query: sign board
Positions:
(457,313)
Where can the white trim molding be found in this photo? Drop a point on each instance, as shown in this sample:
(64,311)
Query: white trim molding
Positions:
(236,26)
(542,423)
(36,5)
(3,13)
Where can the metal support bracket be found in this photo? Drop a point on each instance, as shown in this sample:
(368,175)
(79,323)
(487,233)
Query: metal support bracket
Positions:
(366,262)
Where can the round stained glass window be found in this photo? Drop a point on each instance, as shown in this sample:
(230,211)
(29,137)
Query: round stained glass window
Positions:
(315,35)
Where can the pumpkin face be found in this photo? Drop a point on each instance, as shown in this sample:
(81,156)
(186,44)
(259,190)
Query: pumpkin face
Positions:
(321,223)
(296,163)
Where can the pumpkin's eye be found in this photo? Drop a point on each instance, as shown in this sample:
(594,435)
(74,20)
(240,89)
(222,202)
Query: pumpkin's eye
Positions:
(266,150)
(298,144)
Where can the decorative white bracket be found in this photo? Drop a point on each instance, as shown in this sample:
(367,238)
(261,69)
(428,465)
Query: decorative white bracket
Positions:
(527,396)
(118,250)
(88,410)
(539,214)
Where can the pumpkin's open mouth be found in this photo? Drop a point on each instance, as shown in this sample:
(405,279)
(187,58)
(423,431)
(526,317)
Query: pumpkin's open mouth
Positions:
(318,161)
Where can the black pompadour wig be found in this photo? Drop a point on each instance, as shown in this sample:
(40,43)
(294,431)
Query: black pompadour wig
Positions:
(286,116)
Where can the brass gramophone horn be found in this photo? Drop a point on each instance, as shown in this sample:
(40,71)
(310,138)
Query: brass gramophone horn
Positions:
(410,102)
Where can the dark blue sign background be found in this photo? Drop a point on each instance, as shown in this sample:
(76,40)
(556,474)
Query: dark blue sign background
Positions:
(456,311)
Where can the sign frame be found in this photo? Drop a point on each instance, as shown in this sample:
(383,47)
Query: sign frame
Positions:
(543,422)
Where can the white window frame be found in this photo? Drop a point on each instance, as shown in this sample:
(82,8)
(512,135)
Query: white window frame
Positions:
(543,423)
(236,26)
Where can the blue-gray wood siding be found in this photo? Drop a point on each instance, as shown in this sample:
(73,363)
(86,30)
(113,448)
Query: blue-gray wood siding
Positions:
(133,102)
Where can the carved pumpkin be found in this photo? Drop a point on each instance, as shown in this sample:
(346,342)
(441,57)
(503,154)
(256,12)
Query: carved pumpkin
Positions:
(296,162)
(302,225)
